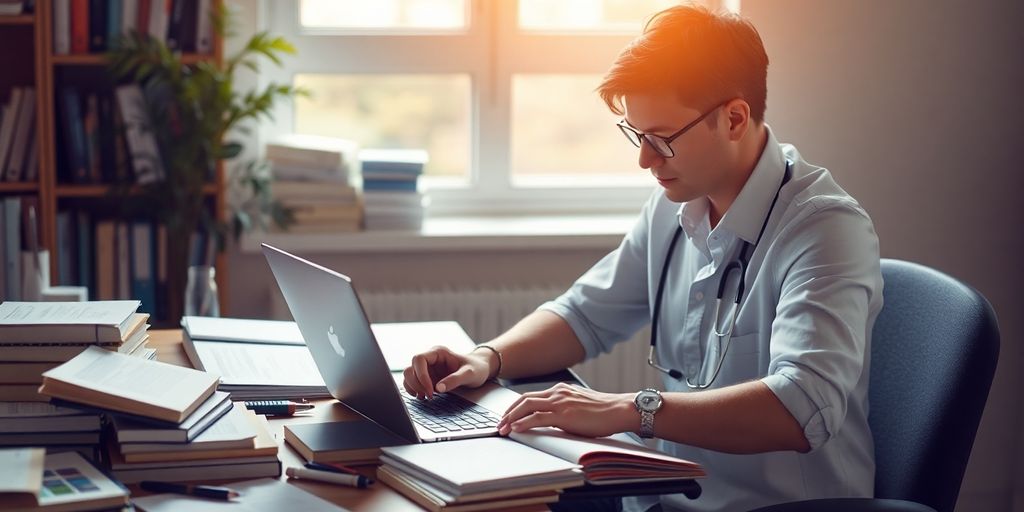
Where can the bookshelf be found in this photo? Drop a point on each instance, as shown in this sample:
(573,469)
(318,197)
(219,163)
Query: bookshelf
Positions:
(35,64)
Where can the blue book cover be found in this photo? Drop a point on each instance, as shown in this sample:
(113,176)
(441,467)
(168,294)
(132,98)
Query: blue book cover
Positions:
(141,257)
(74,136)
(390,185)
(114,10)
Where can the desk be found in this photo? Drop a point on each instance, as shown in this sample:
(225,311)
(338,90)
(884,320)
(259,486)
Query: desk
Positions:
(378,497)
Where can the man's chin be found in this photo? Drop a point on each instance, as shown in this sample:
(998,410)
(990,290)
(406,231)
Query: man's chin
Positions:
(680,196)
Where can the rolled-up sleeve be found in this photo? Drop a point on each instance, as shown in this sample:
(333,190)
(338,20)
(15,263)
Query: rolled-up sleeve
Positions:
(820,337)
(609,302)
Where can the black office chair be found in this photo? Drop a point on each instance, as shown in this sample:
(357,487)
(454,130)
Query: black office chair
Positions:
(933,354)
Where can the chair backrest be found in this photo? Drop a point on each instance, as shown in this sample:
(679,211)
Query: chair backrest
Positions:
(933,355)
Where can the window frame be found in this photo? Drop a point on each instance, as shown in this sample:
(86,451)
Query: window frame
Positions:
(479,51)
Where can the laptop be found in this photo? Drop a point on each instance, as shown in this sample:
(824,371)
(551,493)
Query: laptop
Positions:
(331,319)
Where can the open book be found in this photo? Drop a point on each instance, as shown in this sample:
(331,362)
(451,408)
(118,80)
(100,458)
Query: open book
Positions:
(610,460)
(461,475)
(65,482)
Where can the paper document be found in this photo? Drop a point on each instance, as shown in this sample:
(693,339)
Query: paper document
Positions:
(401,341)
(259,365)
(111,312)
(242,330)
(263,494)
(71,479)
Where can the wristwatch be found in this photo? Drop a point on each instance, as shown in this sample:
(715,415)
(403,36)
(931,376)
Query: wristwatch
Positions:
(647,402)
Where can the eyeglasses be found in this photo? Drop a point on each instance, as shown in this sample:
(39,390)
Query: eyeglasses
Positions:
(663,145)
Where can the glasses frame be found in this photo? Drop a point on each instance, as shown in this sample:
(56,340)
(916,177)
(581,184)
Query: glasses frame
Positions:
(668,152)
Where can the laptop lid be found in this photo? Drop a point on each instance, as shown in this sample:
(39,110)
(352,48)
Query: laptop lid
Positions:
(333,323)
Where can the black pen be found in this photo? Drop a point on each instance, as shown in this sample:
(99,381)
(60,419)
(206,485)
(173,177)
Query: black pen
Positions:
(204,491)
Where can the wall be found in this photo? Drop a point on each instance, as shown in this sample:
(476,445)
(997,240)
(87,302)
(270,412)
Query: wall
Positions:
(915,107)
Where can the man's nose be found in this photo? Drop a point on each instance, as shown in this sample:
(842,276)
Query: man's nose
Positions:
(649,157)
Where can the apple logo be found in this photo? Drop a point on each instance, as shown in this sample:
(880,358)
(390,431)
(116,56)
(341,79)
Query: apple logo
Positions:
(334,341)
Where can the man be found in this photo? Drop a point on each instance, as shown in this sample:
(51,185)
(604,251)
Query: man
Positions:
(767,392)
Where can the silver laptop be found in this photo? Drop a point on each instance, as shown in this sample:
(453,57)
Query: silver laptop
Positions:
(332,321)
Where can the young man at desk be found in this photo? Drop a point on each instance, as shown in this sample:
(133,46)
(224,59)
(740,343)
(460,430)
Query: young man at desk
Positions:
(759,275)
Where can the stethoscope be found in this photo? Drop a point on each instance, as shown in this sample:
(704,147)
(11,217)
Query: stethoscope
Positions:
(740,265)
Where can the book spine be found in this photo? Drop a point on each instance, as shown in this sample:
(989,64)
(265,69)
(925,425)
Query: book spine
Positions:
(105,253)
(114,12)
(84,246)
(97,26)
(79,26)
(74,134)
(25,125)
(91,126)
(10,116)
(129,16)
(142,146)
(62,27)
(12,247)
(204,28)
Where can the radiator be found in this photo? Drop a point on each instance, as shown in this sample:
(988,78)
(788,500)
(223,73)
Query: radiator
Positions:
(487,312)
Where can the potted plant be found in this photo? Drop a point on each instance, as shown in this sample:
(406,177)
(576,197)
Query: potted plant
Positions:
(192,109)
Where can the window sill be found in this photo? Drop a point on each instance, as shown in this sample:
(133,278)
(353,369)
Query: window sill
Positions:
(440,234)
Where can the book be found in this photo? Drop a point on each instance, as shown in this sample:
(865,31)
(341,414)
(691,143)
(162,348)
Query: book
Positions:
(406,161)
(253,465)
(49,438)
(477,471)
(609,460)
(429,498)
(259,371)
(21,476)
(128,384)
(311,152)
(23,126)
(243,425)
(35,417)
(81,322)
(240,330)
(351,442)
(21,393)
(135,429)
(233,430)
(144,152)
(57,482)
(65,351)
(23,373)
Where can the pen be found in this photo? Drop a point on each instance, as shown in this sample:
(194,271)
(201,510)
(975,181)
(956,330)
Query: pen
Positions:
(359,481)
(333,468)
(277,407)
(204,491)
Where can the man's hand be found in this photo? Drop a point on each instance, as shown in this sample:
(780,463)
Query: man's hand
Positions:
(573,409)
(440,370)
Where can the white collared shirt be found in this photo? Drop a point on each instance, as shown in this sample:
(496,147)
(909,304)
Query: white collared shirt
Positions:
(813,291)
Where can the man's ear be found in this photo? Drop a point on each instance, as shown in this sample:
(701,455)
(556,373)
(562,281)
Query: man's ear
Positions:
(737,113)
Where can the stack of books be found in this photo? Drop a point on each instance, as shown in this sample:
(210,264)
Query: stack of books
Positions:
(36,337)
(526,468)
(170,422)
(316,178)
(391,188)
(18,145)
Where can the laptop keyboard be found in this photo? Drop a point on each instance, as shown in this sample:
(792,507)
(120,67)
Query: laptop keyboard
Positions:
(448,412)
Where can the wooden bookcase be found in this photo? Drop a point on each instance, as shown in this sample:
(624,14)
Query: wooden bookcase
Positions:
(28,59)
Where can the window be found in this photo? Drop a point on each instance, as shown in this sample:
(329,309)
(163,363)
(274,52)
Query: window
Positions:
(499,92)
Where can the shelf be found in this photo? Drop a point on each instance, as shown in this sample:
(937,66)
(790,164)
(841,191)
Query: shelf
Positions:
(100,59)
(103,190)
(21,19)
(18,187)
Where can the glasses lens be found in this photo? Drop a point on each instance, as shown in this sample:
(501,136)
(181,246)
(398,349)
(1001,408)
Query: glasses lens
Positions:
(660,145)
(633,136)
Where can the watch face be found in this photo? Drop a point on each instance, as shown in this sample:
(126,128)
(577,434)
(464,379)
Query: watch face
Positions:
(649,401)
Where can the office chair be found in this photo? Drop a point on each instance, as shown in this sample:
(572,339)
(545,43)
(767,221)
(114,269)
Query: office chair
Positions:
(933,355)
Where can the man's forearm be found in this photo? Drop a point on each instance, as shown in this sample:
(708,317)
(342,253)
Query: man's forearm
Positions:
(539,344)
(745,418)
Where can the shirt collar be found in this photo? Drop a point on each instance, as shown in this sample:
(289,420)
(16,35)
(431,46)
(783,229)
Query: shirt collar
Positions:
(746,215)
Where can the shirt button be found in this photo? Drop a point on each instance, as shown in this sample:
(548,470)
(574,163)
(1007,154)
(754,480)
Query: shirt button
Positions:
(699,296)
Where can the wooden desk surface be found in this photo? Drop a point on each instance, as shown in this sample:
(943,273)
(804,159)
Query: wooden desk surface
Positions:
(378,497)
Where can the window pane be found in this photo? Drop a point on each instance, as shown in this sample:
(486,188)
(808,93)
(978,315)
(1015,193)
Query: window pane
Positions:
(588,15)
(383,14)
(430,112)
(560,126)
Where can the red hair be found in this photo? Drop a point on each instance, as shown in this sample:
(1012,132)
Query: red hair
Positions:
(700,56)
